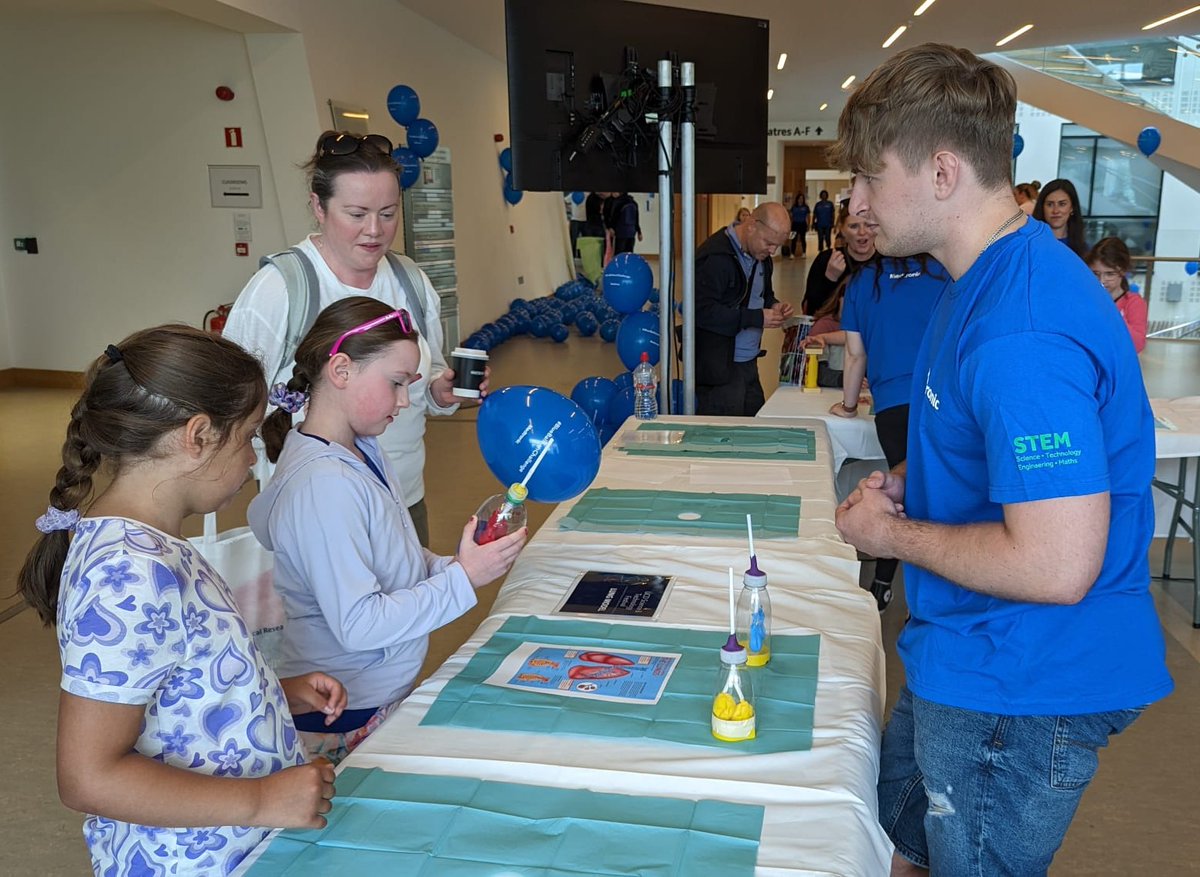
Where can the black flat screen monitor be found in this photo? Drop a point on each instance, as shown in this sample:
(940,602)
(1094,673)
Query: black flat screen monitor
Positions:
(568,61)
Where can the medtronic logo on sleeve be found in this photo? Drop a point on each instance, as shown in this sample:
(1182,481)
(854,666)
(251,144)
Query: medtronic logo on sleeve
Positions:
(929,394)
(1044,451)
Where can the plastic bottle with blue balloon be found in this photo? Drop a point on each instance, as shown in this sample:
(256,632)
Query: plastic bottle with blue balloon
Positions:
(754,611)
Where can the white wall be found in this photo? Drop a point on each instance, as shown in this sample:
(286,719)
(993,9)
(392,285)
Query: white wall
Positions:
(357,50)
(104,161)
(106,147)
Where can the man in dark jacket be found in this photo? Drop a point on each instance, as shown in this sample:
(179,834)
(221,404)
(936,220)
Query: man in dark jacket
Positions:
(625,224)
(734,303)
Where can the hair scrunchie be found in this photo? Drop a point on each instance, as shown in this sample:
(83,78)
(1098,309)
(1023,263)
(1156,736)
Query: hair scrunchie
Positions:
(57,519)
(291,401)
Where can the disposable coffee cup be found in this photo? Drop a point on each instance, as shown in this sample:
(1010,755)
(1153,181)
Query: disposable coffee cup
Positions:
(468,364)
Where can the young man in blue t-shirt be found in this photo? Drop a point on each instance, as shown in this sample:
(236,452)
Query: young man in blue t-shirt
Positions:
(1023,512)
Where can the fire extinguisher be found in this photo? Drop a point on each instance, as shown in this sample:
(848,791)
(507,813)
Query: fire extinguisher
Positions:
(214,320)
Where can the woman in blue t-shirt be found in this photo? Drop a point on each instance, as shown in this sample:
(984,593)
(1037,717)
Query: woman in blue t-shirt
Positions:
(887,306)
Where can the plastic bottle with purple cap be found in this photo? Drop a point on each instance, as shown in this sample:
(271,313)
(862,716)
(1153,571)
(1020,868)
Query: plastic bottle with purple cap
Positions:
(754,610)
(733,712)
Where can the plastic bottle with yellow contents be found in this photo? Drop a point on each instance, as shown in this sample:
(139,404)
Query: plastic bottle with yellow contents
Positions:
(754,616)
(733,713)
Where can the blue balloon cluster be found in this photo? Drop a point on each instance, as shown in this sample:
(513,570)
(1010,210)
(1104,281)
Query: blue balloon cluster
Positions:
(404,106)
(607,403)
(512,194)
(574,304)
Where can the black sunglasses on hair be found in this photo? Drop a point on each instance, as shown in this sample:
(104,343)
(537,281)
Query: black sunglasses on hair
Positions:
(348,144)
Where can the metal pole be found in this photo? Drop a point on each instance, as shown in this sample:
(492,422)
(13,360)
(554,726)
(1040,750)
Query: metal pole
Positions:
(666,264)
(687,244)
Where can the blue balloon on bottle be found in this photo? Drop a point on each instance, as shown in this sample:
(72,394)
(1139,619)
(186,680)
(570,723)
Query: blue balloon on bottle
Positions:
(627,283)
(516,423)
(592,395)
(1191,268)
(1148,140)
(1018,145)
(410,165)
(423,137)
(403,104)
(506,159)
(578,197)
(638,334)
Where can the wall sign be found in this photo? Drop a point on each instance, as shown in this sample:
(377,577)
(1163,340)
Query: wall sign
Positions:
(235,185)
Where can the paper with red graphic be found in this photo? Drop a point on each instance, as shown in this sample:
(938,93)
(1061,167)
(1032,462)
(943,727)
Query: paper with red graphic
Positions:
(596,673)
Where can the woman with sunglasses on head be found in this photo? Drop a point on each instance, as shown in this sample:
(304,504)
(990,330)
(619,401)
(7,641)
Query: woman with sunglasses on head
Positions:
(1110,262)
(360,593)
(354,192)
(1058,207)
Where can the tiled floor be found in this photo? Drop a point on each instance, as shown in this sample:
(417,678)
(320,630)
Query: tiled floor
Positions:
(1138,817)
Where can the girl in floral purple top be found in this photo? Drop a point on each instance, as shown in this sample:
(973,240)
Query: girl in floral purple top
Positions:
(165,700)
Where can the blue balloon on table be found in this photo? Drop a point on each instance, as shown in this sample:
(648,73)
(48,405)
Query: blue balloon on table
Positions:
(403,104)
(423,137)
(592,395)
(627,283)
(1148,140)
(620,407)
(513,426)
(410,165)
(609,329)
(506,159)
(638,334)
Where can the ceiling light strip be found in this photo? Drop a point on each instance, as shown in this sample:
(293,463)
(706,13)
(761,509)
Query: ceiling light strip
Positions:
(1155,24)
(849,79)
(782,60)
(923,7)
(887,44)
(1016,33)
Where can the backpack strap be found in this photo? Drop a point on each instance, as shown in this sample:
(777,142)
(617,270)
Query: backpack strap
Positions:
(300,280)
(408,275)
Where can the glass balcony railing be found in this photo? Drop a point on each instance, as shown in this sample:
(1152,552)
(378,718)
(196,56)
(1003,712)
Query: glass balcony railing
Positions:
(1160,75)
(1171,288)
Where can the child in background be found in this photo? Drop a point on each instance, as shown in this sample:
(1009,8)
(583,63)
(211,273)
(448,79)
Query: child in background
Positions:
(1110,262)
(361,594)
(168,714)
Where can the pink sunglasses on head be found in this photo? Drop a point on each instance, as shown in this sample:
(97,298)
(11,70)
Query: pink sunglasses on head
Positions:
(400,315)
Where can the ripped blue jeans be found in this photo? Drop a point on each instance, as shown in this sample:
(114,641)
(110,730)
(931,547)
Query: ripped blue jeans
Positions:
(969,794)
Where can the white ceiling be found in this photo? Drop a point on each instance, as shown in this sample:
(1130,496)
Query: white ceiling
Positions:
(826,41)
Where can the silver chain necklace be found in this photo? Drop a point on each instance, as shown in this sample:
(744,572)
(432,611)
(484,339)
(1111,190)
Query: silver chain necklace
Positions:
(1002,229)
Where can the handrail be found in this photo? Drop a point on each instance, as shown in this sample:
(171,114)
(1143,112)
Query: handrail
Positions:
(1182,329)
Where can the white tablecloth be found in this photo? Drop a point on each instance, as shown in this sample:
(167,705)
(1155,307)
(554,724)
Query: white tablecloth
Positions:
(850,437)
(1170,446)
(820,806)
